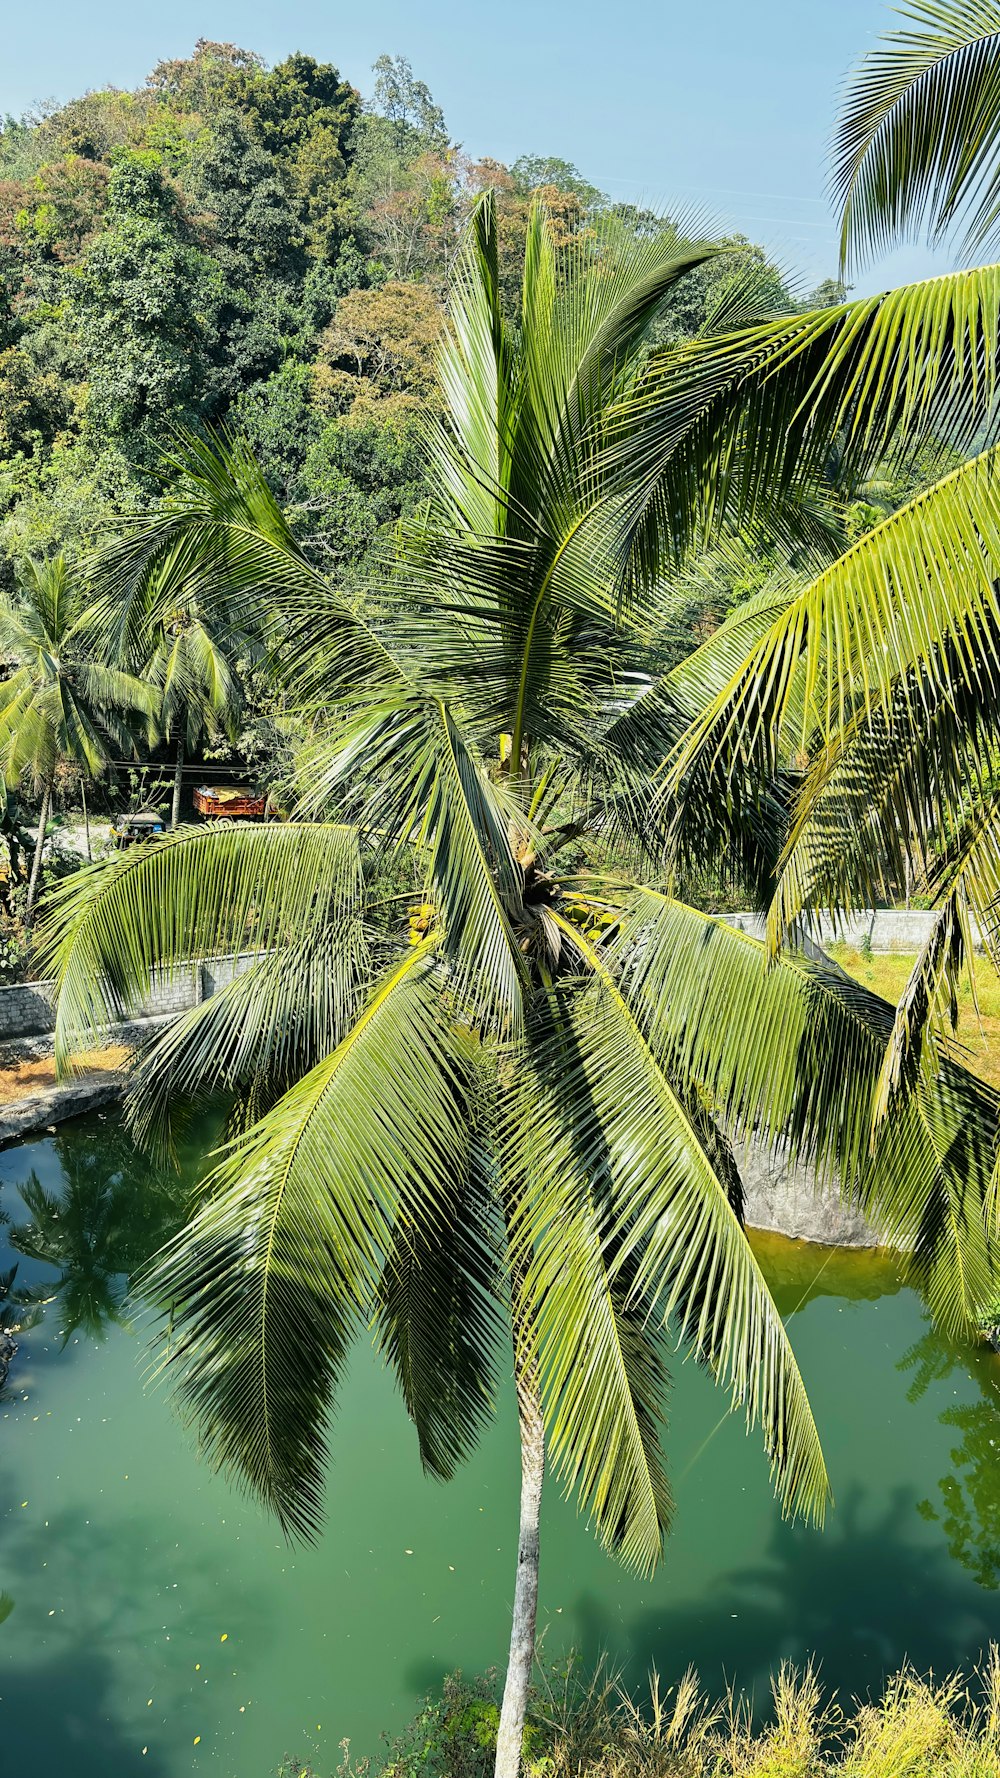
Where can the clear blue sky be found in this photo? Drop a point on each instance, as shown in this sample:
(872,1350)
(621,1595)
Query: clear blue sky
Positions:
(726,104)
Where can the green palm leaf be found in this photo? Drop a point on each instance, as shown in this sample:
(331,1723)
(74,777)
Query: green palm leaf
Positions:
(793,1050)
(284,1260)
(910,609)
(609,1119)
(255,1036)
(220,543)
(601,1368)
(918,139)
(734,433)
(422,785)
(438,1319)
(198,893)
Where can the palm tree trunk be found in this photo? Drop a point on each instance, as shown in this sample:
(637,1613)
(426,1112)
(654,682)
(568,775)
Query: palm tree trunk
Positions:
(36,863)
(86,818)
(510,1735)
(175,812)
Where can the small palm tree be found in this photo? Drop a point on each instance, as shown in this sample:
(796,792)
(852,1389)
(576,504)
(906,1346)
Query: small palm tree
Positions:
(508,1118)
(193,667)
(57,703)
(155,625)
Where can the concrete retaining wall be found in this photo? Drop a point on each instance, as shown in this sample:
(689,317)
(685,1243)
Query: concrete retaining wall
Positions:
(788,1199)
(28,1011)
(883,929)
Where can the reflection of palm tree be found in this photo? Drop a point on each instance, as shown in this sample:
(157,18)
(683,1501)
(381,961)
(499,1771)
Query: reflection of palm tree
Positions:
(103,1223)
(19,1304)
(20,1308)
(969,1507)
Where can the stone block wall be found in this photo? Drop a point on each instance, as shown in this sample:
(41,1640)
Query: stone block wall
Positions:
(27,1010)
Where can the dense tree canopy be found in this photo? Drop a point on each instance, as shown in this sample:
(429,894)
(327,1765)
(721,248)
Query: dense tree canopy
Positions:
(236,244)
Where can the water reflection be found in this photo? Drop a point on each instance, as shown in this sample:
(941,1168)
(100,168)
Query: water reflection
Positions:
(798,1272)
(853,1596)
(108,1215)
(83,1733)
(968,1504)
(20,1309)
(144,1564)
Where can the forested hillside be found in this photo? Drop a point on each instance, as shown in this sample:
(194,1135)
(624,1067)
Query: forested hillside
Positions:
(249,246)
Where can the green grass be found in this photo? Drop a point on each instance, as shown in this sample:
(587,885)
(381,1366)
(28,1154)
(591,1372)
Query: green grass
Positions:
(887,974)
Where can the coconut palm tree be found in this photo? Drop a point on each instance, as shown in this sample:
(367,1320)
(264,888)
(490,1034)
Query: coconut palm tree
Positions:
(197,660)
(194,668)
(506,1119)
(57,703)
(882,670)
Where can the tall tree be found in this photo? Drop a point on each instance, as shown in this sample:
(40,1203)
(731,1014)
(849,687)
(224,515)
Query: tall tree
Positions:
(522,1115)
(138,303)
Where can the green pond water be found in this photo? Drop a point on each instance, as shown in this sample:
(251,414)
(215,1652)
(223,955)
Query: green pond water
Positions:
(152,1606)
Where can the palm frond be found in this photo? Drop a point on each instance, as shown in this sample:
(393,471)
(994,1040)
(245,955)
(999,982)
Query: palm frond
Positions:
(283,1262)
(405,768)
(602,1371)
(521,505)
(911,608)
(198,893)
(880,795)
(793,1050)
(220,543)
(927,1013)
(735,433)
(438,1318)
(610,1128)
(255,1036)
(918,138)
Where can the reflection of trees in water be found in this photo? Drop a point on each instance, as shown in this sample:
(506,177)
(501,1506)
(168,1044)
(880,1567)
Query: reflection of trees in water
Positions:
(861,1597)
(798,1272)
(110,1212)
(968,1509)
(20,1309)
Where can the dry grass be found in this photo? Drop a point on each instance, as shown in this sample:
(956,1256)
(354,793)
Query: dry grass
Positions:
(23,1078)
(887,974)
(919,1728)
(580,1727)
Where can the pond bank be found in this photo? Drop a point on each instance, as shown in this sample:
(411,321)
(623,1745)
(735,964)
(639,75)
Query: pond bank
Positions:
(50,1106)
